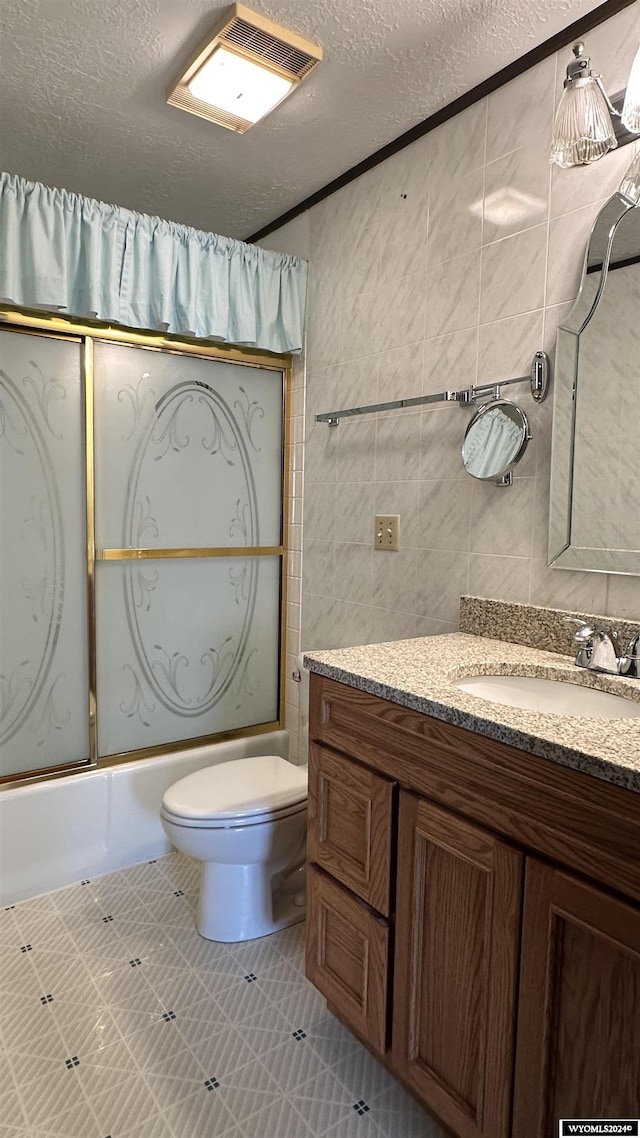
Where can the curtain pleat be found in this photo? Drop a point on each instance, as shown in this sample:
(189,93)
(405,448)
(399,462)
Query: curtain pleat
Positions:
(67,253)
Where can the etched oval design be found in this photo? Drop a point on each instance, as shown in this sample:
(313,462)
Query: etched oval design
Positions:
(220,435)
(33,573)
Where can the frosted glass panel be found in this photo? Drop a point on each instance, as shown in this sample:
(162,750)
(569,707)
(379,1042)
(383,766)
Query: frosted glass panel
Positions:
(185,648)
(188,451)
(44,682)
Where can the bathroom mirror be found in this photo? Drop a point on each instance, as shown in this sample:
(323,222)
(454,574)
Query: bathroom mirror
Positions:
(594,521)
(495,441)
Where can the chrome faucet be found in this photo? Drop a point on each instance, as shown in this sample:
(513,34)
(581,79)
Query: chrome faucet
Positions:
(599,650)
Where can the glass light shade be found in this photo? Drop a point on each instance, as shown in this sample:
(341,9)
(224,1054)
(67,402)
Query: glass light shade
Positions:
(238,86)
(582,131)
(631,108)
(630,184)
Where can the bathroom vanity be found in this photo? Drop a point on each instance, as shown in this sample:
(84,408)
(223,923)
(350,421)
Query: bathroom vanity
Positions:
(474,885)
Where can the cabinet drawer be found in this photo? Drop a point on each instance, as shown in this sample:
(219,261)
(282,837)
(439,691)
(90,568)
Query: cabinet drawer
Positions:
(350,830)
(347,957)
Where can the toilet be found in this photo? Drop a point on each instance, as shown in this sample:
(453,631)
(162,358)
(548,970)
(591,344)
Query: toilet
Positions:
(246,821)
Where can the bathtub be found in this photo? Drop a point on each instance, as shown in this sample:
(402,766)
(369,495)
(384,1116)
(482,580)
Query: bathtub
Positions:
(58,832)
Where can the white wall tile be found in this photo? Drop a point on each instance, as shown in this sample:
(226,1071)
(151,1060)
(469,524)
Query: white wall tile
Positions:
(444,517)
(503,578)
(443,430)
(455,218)
(458,146)
(513,274)
(320,510)
(398,447)
(353,624)
(401,311)
(441,580)
(353,571)
(567,589)
(356,450)
(400,372)
(516,192)
(453,294)
(395,577)
(568,238)
(522,111)
(354,512)
(506,349)
(502,518)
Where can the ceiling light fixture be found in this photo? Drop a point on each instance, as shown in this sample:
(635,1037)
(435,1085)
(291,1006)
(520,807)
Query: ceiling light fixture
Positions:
(244,70)
(583,130)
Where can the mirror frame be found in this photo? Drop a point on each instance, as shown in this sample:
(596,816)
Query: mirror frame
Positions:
(562,552)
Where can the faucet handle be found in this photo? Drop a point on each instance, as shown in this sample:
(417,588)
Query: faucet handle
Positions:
(630,662)
(584,632)
(583,637)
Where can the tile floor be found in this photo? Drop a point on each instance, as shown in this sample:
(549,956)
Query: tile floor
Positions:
(117,1020)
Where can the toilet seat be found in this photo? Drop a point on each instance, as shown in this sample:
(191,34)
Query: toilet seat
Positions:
(232,822)
(243,792)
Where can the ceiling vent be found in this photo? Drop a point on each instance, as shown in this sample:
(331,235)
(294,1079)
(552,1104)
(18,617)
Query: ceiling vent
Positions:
(244,70)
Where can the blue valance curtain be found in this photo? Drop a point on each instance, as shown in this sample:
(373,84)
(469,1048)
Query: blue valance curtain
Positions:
(65,252)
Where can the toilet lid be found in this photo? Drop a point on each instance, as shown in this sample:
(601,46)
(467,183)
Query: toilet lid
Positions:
(238,789)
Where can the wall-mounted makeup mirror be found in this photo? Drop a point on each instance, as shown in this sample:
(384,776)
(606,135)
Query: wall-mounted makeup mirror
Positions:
(495,441)
(595,467)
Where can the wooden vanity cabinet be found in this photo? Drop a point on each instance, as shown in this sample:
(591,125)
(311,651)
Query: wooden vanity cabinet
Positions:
(474,917)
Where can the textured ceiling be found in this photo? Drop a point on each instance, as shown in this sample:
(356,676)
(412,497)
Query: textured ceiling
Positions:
(83,85)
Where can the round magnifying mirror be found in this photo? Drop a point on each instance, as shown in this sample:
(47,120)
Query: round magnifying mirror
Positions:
(495,440)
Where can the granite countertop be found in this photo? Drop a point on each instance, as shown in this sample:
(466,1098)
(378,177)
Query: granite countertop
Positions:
(418,673)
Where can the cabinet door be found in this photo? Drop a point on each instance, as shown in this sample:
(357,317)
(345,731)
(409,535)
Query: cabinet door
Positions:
(350,825)
(347,956)
(457,940)
(578,1050)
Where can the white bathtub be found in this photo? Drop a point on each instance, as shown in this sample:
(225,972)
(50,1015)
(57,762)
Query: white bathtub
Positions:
(54,833)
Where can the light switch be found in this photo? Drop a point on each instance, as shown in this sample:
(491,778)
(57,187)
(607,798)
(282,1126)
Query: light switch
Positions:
(387,532)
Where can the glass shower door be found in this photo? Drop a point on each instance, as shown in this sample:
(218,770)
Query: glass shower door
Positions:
(189,467)
(44,672)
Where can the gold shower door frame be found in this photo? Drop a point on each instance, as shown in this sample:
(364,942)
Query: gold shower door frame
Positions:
(86,334)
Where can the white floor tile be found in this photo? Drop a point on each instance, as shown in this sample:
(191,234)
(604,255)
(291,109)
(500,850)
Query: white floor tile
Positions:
(137,1027)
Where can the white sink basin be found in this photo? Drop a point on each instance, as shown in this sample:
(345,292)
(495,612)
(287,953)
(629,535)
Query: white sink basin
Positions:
(549,696)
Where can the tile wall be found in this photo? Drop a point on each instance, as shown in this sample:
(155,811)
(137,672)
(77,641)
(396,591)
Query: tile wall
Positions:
(451,263)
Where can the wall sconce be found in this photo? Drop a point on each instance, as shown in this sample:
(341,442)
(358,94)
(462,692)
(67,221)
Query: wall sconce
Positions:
(583,130)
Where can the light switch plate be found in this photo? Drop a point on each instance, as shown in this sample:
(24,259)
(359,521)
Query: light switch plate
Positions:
(387,532)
